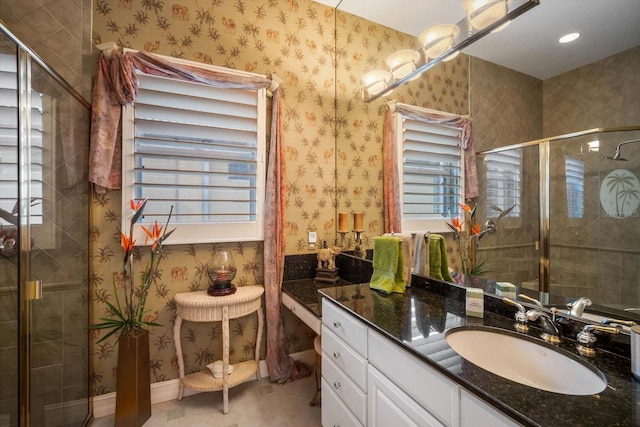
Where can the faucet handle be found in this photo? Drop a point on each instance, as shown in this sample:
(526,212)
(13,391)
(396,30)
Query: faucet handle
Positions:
(521,315)
(587,339)
(628,323)
(529,299)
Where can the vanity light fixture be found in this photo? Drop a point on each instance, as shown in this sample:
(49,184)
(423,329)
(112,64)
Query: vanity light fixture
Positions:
(568,38)
(482,13)
(374,82)
(437,40)
(483,17)
(402,62)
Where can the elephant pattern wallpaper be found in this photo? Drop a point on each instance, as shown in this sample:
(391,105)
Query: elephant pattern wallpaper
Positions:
(331,165)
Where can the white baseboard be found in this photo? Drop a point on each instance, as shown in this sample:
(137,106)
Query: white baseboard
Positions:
(105,404)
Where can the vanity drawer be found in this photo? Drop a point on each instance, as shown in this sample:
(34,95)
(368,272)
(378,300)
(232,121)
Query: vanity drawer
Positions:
(429,388)
(345,327)
(303,313)
(344,357)
(352,396)
(334,411)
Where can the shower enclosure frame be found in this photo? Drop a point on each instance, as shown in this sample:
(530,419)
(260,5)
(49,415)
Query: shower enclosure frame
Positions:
(30,290)
(544,243)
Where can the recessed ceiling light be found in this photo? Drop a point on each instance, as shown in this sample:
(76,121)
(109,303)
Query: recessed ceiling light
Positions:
(569,38)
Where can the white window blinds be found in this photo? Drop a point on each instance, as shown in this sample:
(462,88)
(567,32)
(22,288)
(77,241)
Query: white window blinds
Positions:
(430,174)
(504,170)
(199,149)
(9,143)
(574,170)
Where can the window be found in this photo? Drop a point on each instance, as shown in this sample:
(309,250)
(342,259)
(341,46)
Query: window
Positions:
(575,187)
(201,150)
(9,145)
(504,170)
(430,176)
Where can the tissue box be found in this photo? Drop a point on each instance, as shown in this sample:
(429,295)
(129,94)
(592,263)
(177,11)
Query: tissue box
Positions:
(475,302)
(506,289)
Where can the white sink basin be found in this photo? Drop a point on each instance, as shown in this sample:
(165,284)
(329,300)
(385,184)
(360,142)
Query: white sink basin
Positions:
(526,361)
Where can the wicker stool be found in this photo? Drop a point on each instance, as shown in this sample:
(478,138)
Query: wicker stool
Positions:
(317,346)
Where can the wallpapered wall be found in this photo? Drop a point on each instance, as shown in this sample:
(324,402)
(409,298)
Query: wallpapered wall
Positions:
(294,40)
(291,39)
(363,46)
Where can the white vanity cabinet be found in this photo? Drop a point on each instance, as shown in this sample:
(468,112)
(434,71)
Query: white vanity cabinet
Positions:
(369,380)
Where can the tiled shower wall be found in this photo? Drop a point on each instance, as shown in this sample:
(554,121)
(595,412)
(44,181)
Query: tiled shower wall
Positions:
(598,256)
(59,31)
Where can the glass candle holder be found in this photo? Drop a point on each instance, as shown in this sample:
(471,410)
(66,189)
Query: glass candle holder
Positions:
(221,272)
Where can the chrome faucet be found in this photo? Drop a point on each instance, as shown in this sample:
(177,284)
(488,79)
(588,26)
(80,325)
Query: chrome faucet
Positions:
(576,308)
(549,329)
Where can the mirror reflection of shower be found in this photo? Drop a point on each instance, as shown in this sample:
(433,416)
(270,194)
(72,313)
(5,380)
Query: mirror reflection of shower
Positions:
(616,154)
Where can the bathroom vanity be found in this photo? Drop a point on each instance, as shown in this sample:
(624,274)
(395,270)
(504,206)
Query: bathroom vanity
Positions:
(385,357)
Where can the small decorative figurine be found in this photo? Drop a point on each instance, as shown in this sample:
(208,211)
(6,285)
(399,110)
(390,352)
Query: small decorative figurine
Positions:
(326,270)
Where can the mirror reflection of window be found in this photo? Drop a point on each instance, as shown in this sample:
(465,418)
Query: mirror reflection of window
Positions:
(574,172)
(430,174)
(9,145)
(504,183)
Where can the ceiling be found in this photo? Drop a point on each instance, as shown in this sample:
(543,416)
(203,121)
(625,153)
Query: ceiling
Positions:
(530,43)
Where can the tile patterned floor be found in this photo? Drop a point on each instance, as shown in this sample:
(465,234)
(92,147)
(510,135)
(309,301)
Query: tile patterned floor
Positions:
(252,404)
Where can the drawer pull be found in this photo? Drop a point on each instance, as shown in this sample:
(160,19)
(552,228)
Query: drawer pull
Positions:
(336,354)
(293,309)
(336,384)
(336,324)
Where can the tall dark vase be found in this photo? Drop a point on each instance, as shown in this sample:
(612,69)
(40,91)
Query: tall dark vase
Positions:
(133,387)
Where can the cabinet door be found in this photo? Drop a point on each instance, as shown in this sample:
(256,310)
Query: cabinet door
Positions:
(431,389)
(475,413)
(389,406)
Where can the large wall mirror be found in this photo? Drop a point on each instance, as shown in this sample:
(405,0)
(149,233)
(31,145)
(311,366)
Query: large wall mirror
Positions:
(507,105)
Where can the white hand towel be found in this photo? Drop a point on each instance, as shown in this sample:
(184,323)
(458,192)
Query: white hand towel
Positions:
(421,254)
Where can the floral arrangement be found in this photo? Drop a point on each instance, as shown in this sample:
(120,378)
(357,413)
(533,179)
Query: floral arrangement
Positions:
(127,316)
(468,240)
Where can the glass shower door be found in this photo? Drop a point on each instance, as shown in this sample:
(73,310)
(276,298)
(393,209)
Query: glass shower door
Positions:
(509,186)
(9,360)
(44,218)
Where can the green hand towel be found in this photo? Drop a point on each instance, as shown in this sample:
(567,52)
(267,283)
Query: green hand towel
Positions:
(438,263)
(387,274)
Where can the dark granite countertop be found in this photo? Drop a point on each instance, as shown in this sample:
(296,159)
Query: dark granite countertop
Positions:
(418,320)
(305,291)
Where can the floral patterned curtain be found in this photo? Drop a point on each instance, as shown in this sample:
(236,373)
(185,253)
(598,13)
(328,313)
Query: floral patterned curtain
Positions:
(116,85)
(281,367)
(390,171)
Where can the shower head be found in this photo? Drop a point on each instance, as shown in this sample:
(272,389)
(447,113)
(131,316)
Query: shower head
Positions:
(616,154)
